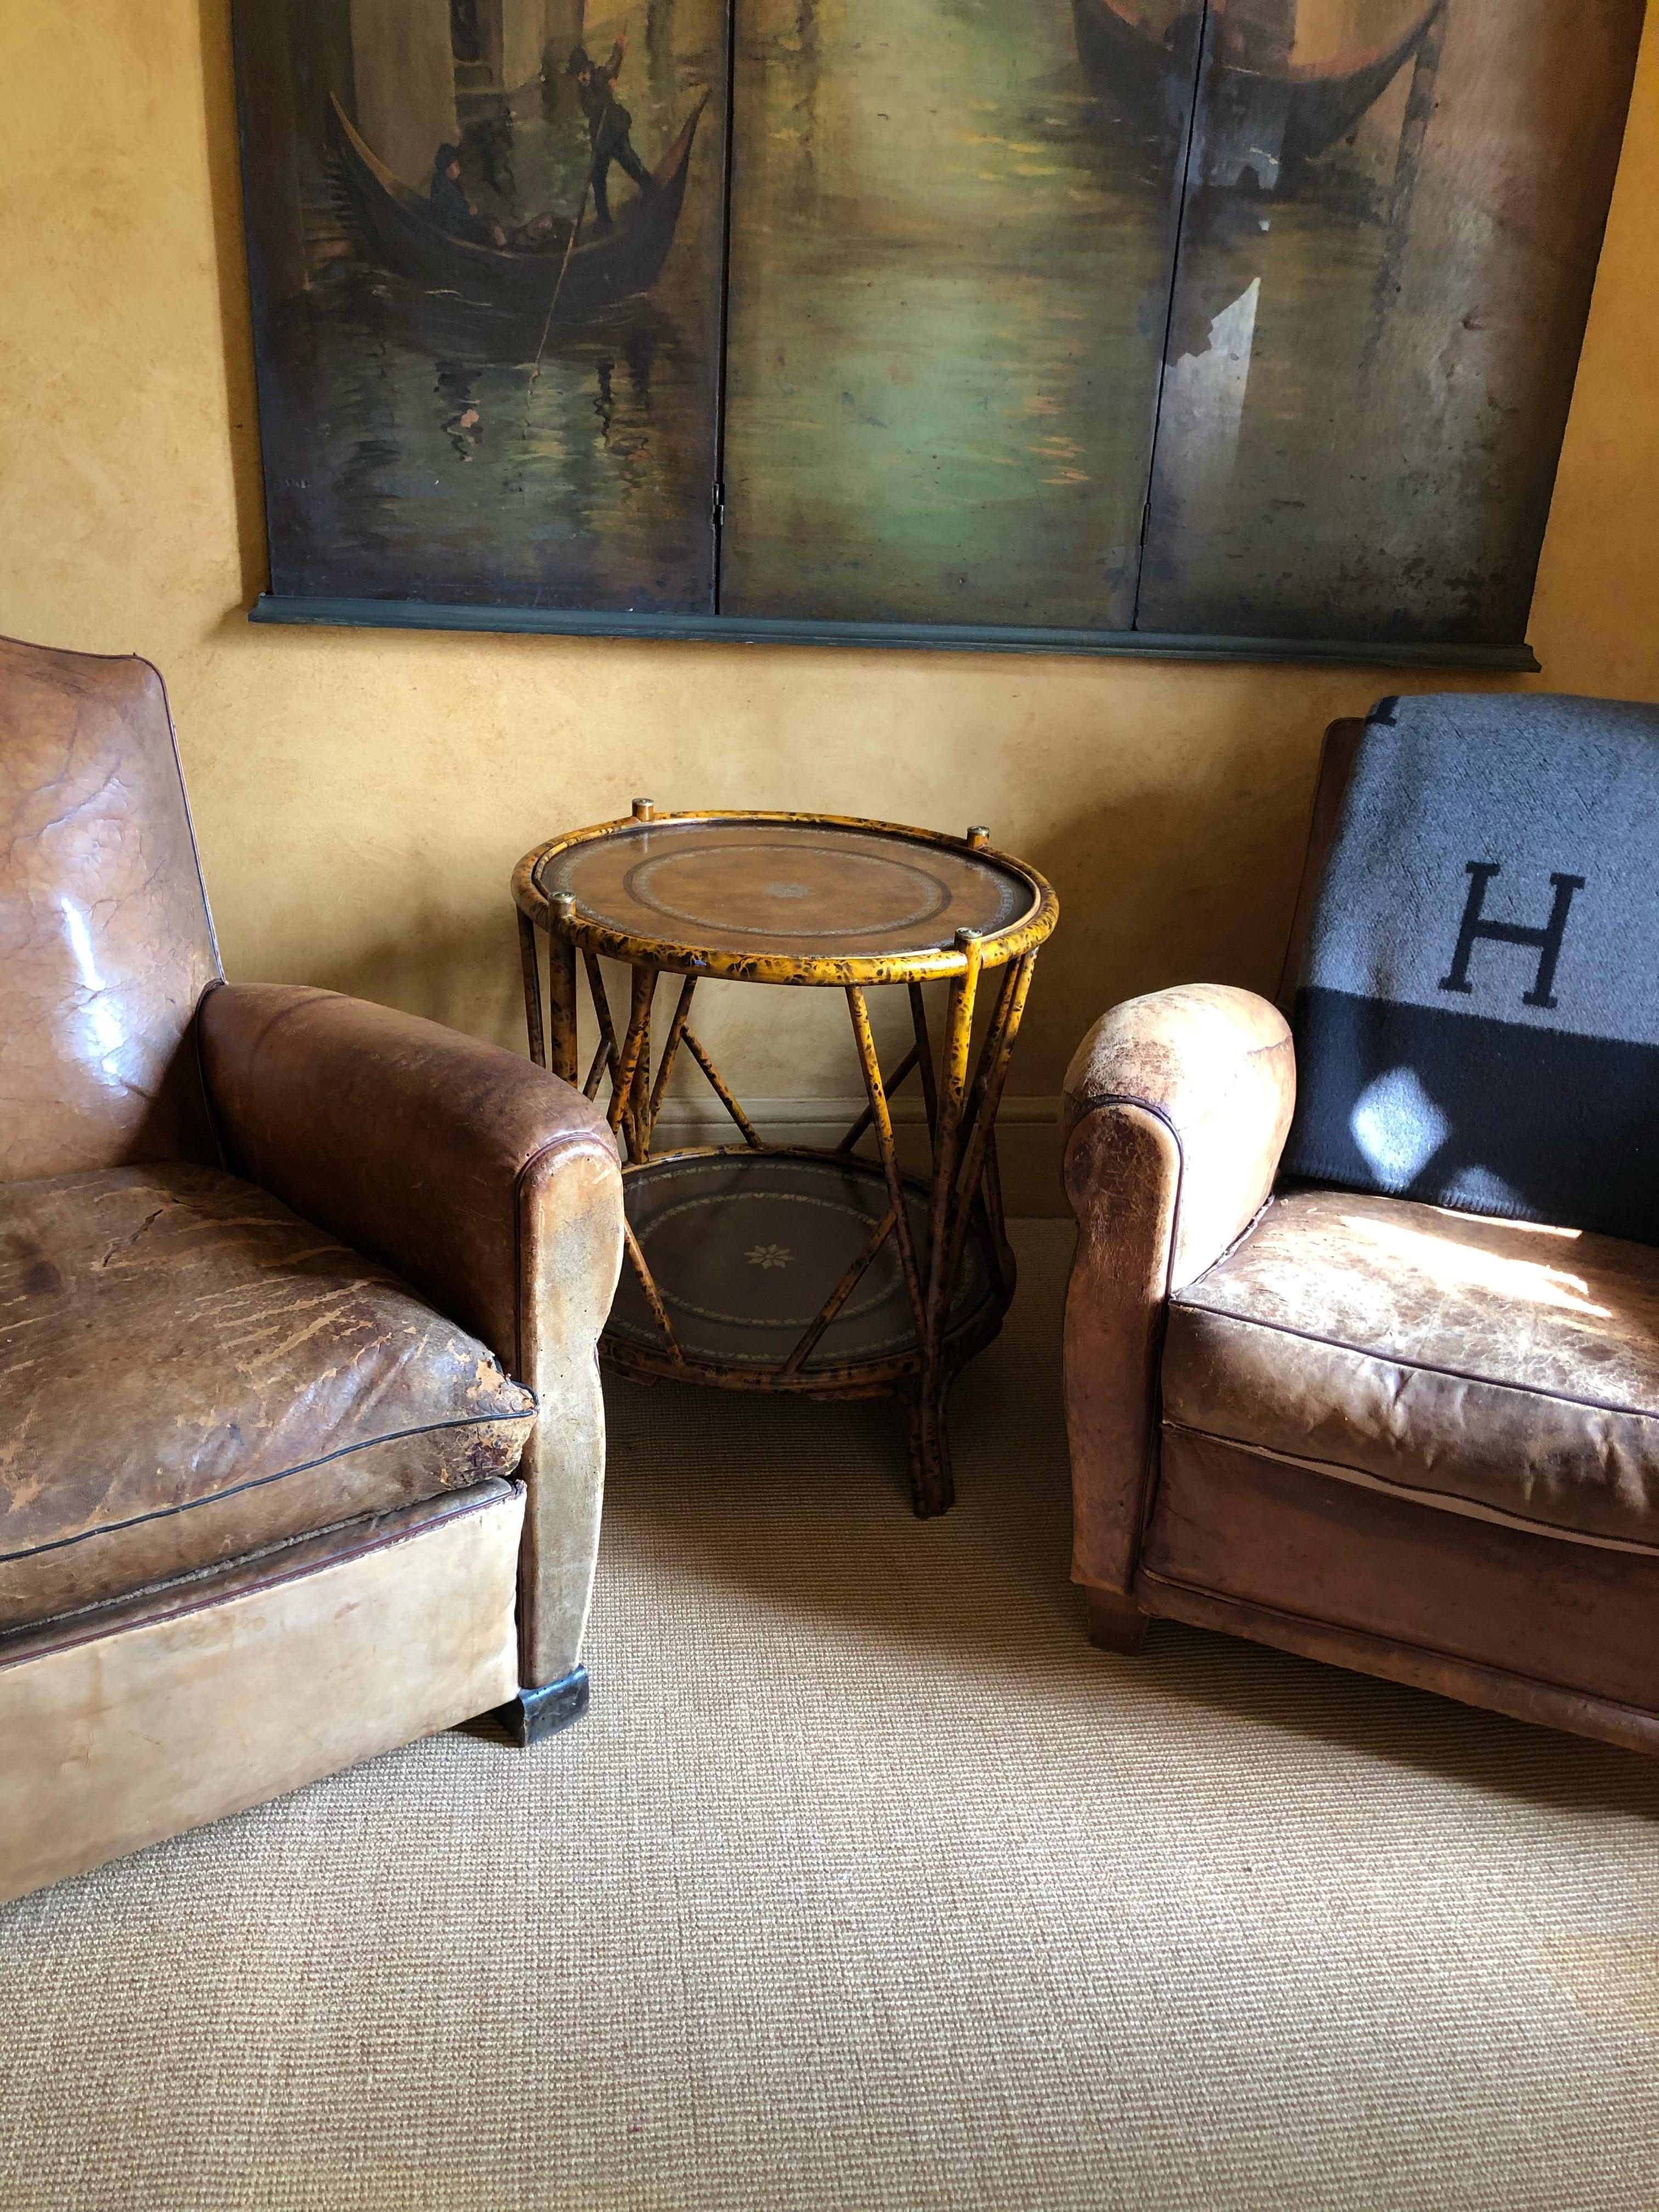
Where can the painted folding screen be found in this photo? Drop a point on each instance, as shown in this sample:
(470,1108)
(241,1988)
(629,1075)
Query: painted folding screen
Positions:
(1090,322)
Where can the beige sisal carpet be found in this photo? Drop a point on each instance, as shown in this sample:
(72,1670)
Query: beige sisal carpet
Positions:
(869,1884)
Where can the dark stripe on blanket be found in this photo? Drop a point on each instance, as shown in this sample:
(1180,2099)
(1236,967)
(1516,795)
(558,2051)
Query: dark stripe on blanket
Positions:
(1535,1124)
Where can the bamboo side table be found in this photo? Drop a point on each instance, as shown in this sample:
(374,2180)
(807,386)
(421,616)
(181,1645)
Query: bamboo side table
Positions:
(755,1266)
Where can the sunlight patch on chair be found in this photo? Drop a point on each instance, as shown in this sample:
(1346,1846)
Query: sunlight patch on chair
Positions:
(1466,1267)
(1520,1228)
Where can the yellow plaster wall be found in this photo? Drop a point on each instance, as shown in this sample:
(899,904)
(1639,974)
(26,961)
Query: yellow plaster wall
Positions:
(361,797)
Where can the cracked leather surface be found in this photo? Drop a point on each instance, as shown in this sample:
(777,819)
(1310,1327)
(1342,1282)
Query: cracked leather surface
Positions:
(408,1140)
(105,941)
(1508,1365)
(189,1371)
(487,1182)
(1175,1110)
(1217,1066)
(1440,1593)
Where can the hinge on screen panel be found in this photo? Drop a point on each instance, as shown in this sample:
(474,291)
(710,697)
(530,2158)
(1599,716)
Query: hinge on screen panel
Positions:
(717,507)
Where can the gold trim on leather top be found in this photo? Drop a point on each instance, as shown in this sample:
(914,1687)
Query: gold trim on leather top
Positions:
(771,964)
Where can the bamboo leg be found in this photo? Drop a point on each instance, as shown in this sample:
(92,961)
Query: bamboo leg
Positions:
(929,1441)
(865,1119)
(751,1135)
(925,1058)
(992,1075)
(991,1050)
(532,990)
(838,1297)
(652,1294)
(608,1054)
(884,1124)
(591,1088)
(621,1088)
(562,990)
(983,1184)
(637,1112)
(671,1048)
(1001,1257)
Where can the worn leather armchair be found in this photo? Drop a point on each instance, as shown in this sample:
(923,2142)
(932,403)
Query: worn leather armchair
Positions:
(302,1443)
(1418,1442)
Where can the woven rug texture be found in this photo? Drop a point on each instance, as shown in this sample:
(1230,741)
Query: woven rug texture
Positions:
(868,1883)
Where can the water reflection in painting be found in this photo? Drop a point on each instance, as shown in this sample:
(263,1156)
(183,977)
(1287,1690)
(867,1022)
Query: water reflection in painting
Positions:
(1392,217)
(949,289)
(467,396)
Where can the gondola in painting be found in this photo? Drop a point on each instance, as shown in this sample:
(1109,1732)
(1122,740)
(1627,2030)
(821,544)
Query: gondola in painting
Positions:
(562,272)
(1271,100)
(486,240)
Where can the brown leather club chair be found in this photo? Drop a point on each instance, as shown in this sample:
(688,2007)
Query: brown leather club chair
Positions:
(1347,1425)
(266,1505)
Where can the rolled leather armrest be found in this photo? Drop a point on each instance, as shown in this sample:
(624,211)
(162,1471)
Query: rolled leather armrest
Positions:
(1175,1111)
(489,1184)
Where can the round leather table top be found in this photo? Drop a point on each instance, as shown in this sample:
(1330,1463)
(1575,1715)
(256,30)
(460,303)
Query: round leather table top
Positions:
(745,1247)
(786,887)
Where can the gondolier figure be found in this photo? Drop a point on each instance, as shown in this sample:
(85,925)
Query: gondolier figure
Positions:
(608,125)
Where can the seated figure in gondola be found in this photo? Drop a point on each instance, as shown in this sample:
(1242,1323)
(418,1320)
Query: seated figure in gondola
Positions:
(542,233)
(609,124)
(452,209)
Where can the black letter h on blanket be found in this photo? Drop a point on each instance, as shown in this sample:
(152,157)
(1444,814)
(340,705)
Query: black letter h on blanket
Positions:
(1547,939)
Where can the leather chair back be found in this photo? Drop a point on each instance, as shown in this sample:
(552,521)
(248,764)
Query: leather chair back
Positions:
(1336,760)
(106,942)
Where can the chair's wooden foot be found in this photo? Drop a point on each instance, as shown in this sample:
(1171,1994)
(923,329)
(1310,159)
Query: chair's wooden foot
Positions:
(538,1712)
(1115,1623)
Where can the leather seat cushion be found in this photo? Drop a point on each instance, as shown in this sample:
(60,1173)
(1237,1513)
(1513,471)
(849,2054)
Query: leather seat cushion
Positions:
(1498,1367)
(189,1371)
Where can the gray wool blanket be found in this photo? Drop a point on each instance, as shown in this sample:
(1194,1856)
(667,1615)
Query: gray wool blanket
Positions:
(1477,1021)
